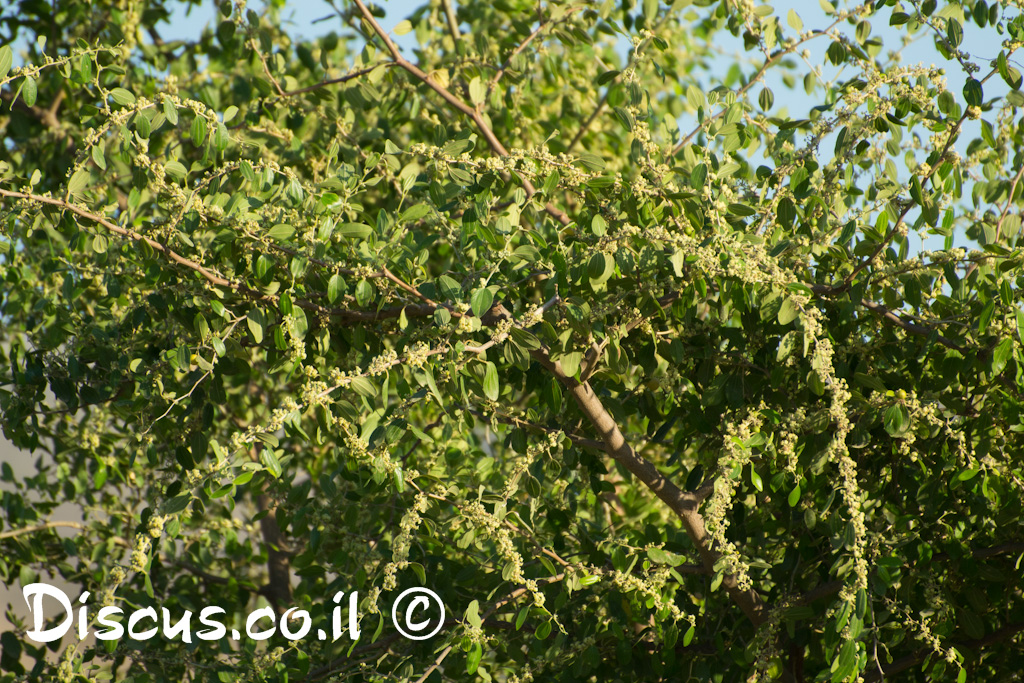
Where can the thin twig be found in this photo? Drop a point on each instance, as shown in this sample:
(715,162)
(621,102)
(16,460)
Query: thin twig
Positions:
(459,105)
(907,326)
(437,663)
(41,527)
(335,81)
(453,23)
(1009,202)
(756,78)
(523,45)
(420,311)
(266,68)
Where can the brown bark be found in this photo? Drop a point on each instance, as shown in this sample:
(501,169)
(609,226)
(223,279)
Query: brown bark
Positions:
(684,504)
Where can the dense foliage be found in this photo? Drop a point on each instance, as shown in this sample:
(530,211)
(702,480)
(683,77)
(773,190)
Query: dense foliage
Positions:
(637,363)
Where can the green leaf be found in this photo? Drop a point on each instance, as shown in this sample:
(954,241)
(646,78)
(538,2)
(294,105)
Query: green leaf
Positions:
(650,11)
(698,176)
(6,60)
(677,259)
(477,91)
(449,288)
(143,125)
(968,474)
(794,21)
(543,631)
(414,213)
(472,615)
(254,320)
(281,232)
(896,419)
(364,293)
(599,269)
(973,93)
(525,339)
(626,118)
(123,97)
(79,181)
(738,209)
(29,91)
(334,287)
(1008,73)
(1002,353)
(491,387)
(836,53)
(592,161)
(481,301)
(175,169)
(521,617)
(201,326)
(570,363)
(954,32)
(176,504)
(695,97)
(198,131)
(664,557)
(788,312)
(270,461)
(794,496)
(247,170)
(357,231)
(844,663)
(473,658)
(460,175)
(171,112)
(363,387)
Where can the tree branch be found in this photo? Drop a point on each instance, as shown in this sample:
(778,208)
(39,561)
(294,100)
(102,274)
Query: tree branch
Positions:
(13,533)
(455,102)
(913,328)
(335,81)
(453,23)
(523,45)
(685,505)
(1009,202)
(214,278)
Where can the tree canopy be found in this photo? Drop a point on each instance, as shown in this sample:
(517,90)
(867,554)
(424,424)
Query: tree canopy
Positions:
(647,367)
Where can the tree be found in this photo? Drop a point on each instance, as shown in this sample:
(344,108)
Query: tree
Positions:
(645,372)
